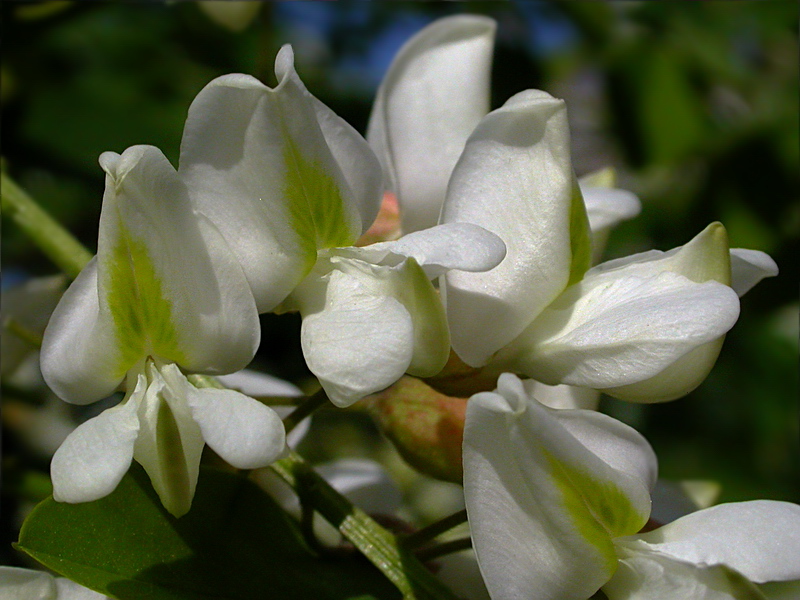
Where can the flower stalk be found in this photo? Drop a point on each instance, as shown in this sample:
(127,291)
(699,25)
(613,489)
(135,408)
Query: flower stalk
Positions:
(443,549)
(58,244)
(304,409)
(381,548)
(14,327)
(426,534)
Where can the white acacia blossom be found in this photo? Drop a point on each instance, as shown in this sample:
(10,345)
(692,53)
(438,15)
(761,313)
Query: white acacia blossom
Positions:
(705,258)
(556,499)
(163,296)
(434,94)
(539,313)
(292,187)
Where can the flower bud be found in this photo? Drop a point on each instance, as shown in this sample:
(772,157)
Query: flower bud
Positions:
(425,426)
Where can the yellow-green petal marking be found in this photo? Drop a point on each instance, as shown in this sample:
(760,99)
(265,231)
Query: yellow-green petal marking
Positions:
(579,236)
(599,510)
(141,314)
(316,207)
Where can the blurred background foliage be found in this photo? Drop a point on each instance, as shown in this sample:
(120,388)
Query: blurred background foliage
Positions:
(695,104)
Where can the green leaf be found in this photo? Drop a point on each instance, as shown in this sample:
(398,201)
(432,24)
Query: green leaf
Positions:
(235,543)
(671,114)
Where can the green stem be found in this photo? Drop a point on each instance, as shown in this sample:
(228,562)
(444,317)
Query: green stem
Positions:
(381,547)
(443,549)
(58,244)
(27,335)
(305,409)
(426,534)
(307,527)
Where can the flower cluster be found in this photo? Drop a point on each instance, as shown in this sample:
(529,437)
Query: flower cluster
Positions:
(492,261)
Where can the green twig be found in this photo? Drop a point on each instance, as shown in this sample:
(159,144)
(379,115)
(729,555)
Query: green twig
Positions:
(305,409)
(382,548)
(307,527)
(58,244)
(16,328)
(432,552)
(426,534)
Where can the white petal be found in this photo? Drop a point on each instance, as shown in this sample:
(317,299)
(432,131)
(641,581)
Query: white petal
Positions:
(704,258)
(356,341)
(647,575)
(69,590)
(563,396)
(92,460)
(170,443)
(461,246)
(245,433)
(257,163)
(748,267)
(26,584)
(366,324)
(407,282)
(547,490)
(760,539)
(254,383)
(675,381)
(78,359)
(514,179)
(172,286)
(608,207)
(29,304)
(619,446)
(612,329)
(436,91)
(360,166)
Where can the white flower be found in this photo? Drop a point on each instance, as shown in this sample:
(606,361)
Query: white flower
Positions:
(539,313)
(164,295)
(555,499)
(705,258)
(547,490)
(434,94)
(542,312)
(292,187)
